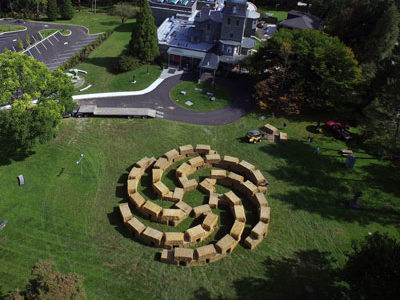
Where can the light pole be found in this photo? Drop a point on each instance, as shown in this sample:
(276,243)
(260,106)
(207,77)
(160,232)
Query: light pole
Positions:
(78,162)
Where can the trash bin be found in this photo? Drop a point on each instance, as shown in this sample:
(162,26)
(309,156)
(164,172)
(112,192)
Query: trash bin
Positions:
(350,161)
(21,179)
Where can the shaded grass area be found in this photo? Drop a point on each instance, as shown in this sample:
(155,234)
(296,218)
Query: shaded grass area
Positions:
(101,66)
(68,212)
(46,32)
(201,101)
(8,28)
(280,14)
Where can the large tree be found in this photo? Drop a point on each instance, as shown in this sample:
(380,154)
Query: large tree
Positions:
(320,66)
(124,11)
(66,10)
(37,98)
(144,42)
(52,10)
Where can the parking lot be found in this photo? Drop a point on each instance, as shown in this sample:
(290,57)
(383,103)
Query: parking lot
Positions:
(54,50)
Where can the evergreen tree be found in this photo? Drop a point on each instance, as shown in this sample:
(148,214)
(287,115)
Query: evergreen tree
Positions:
(144,41)
(66,10)
(52,10)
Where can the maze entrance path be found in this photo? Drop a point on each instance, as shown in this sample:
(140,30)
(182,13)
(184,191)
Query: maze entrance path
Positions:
(242,183)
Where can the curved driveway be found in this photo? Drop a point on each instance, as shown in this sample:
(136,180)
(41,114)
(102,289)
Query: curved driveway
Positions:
(52,51)
(160,100)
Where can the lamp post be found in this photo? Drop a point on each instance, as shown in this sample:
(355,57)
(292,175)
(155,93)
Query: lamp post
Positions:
(78,162)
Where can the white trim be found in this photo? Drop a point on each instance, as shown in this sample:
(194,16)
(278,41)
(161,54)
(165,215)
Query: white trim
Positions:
(13,30)
(34,45)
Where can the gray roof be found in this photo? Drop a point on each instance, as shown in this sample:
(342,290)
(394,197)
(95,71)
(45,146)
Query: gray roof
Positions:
(237,1)
(186,52)
(248,43)
(208,15)
(251,14)
(210,61)
(231,59)
(300,20)
(229,42)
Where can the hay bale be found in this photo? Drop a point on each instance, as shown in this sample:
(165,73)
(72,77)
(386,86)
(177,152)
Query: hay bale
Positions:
(171,155)
(283,137)
(167,256)
(135,226)
(152,237)
(201,210)
(264,213)
(218,174)
(232,179)
(187,185)
(132,185)
(237,230)
(251,242)
(263,189)
(168,197)
(259,231)
(268,128)
(226,244)
(256,177)
(214,200)
(245,167)
(196,162)
(249,188)
(135,173)
(206,252)
(168,215)
(195,234)
(185,170)
(160,189)
(238,213)
(210,221)
(186,208)
(145,162)
(259,200)
(213,158)
(156,174)
(162,163)
(229,162)
(231,198)
(151,210)
(202,149)
(177,195)
(125,212)
(183,255)
(207,186)
(173,239)
(186,150)
(137,200)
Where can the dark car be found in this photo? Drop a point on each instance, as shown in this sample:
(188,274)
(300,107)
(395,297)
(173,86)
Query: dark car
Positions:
(339,130)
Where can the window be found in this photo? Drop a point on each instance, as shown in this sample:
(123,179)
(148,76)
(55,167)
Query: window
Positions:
(231,35)
(237,22)
(229,50)
(208,26)
(229,21)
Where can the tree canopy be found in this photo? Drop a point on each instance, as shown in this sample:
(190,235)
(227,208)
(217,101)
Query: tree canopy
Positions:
(24,81)
(52,10)
(66,10)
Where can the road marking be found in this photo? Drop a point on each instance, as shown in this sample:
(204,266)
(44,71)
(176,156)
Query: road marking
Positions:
(65,43)
(50,42)
(30,53)
(14,40)
(56,38)
(14,49)
(37,50)
(43,45)
(33,38)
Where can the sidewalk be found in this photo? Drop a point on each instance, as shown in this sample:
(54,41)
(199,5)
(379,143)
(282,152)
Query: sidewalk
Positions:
(166,73)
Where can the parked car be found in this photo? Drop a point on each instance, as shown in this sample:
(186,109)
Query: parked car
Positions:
(339,130)
(260,25)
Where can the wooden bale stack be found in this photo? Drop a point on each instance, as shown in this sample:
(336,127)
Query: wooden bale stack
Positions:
(213,159)
(146,162)
(156,175)
(183,256)
(135,173)
(256,177)
(245,168)
(268,128)
(186,208)
(264,214)
(248,188)
(205,254)
(177,195)
(237,230)
(172,216)
(185,170)
(167,256)
(125,212)
(263,189)
(201,210)
(162,163)
(259,200)
(283,137)
(160,189)
(257,234)
(173,156)
(210,222)
(229,163)
(218,174)
(230,198)
(195,235)
(214,200)
(152,237)
(132,185)
(135,227)
(238,213)
(173,239)
(196,162)
(202,149)
(207,186)
(226,244)
(232,180)
(137,200)
(188,151)
(151,210)
(187,185)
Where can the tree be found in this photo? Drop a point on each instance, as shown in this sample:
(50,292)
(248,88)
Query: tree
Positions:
(124,11)
(373,269)
(144,41)
(50,284)
(52,10)
(66,10)
(322,67)
(38,4)
(24,80)
(20,45)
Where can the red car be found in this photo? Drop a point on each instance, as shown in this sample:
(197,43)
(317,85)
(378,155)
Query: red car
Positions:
(339,130)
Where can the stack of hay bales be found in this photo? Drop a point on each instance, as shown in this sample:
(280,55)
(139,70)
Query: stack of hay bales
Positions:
(186,184)
(151,210)
(207,186)
(196,162)
(205,254)
(135,227)
(173,239)
(137,200)
(152,237)
(187,151)
(183,256)
(226,244)
(229,163)
(201,210)
(125,212)
(210,222)
(173,156)
(214,200)
(194,235)
(186,208)
(273,134)
(237,230)
(162,191)
(172,216)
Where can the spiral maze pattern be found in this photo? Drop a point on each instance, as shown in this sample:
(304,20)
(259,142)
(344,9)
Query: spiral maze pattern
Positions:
(241,176)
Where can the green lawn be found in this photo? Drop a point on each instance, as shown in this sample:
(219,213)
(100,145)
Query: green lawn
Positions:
(46,32)
(101,66)
(201,101)
(67,212)
(8,28)
(280,14)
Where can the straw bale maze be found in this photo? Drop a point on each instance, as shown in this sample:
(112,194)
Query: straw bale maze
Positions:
(238,177)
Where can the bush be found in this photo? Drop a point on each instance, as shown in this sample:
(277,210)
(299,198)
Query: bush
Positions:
(66,10)
(127,63)
(20,45)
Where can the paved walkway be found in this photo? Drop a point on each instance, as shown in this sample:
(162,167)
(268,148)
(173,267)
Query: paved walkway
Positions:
(160,100)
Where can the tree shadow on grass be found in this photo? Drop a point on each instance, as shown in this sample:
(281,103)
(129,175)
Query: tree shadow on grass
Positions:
(321,184)
(125,27)
(109,63)
(9,152)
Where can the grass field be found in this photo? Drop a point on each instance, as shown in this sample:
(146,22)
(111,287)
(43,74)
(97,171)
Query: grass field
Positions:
(280,14)
(201,101)
(67,212)
(46,32)
(8,28)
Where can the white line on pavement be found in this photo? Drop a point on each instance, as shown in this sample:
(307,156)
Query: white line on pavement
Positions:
(56,38)
(14,49)
(37,50)
(33,38)
(50,42)
(43,45)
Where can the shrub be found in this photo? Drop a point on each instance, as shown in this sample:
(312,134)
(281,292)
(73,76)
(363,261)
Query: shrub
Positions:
(127,63)
(20,45)
(66,10)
